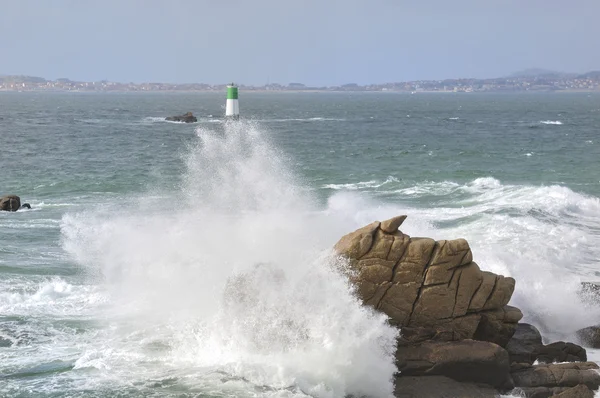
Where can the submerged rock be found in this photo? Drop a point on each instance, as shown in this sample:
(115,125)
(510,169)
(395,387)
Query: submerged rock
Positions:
(10,203)
(186,118)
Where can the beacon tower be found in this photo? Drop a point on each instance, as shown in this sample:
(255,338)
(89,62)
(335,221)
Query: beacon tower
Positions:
(232,108)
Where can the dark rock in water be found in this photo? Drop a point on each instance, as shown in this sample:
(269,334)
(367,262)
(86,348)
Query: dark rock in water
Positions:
(186,118)
(466,360)
(590,336)
(26,205)
(524,345)
(561,352)
(580,391)
(439,387)
(10,203)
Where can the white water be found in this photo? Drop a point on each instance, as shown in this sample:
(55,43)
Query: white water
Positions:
(227,284)
(547,238)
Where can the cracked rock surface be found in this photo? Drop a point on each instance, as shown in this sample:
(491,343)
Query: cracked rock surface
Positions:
(432,289)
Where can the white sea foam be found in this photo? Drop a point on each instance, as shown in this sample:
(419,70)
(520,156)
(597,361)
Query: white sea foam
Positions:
(361,184)
(555,122)
(235,278)
(546,237)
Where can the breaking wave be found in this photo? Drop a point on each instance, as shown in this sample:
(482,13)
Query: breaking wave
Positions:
(235,281)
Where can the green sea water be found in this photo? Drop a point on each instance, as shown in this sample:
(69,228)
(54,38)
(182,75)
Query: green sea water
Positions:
(115,282)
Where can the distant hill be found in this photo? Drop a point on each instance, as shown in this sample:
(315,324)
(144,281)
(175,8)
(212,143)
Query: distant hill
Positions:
(541,73)
(595,74)
(21,79)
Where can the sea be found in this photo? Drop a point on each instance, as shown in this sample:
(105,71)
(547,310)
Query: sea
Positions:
(164,259)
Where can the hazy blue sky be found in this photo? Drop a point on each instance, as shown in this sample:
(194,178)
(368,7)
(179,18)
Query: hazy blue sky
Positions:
(310,41)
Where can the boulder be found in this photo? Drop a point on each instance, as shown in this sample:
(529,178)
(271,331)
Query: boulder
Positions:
(10,203)
(432,289)
(561,351)
(439,387)
(579,391)
(558,375)
(526,347)
(466,361)
(186,118)
(590,336)
(524,344)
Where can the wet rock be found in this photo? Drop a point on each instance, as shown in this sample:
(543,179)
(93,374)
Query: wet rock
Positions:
(558,375)
(10,203)
(561,352)
(524,344)
(580,391)
(466,360)
(538,392)
(590,336)
(439,387)
(186,118)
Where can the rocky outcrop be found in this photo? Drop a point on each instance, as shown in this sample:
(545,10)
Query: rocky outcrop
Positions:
(186,118)
(10,203)
(454,318)
(432,290)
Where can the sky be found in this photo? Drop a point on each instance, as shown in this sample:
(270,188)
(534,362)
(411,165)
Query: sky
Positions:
(315,42)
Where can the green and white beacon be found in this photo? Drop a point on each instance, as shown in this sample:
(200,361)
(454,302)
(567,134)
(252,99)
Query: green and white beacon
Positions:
(232,108)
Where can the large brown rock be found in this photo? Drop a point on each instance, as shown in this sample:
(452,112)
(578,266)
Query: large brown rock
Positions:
(432,289)
(558,375)
(10,203)
(466,361)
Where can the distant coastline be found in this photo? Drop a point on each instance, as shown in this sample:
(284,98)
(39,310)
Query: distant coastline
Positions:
(549,81)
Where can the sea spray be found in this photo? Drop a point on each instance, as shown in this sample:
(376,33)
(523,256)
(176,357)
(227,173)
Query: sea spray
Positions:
(546,237)
(231,276)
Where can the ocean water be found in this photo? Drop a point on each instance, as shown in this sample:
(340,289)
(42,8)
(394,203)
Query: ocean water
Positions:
(193,260)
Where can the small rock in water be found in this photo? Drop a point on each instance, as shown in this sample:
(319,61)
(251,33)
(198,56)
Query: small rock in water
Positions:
(186,118)
(10,203)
